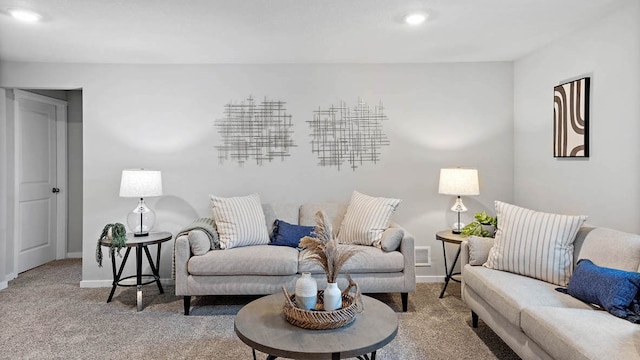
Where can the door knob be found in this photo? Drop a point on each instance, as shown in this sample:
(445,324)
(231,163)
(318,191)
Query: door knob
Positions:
(55,190)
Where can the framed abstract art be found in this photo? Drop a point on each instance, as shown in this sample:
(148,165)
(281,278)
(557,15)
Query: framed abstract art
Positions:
(571,119)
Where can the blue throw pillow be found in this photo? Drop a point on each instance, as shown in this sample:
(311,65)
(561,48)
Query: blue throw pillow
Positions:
(285,234)
(614,290)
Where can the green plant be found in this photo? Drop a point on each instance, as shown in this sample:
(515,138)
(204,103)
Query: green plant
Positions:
(476,228)
(118,240)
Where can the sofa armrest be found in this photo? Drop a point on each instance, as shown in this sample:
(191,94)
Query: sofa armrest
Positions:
(182,255)
(464,254)
(407,248)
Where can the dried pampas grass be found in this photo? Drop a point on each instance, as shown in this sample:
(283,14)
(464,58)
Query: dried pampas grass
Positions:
(324,248)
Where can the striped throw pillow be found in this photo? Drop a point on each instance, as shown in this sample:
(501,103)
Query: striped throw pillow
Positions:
(240,221)
(534,244)
(366,219)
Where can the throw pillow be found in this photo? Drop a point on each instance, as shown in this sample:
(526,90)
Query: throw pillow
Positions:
(199,242)
(534,244)
(366,218)
(391,239)
(285,234)
(612,289)
(240,221)
(479,248)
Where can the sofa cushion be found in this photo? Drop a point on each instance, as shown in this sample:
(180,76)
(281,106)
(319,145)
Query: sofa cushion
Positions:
(366,219)
(612,289)
(369,259)
(240,221)
(285,234)
(580,334)
(334,212)
(511,293)
(287,212)
(535,244)
(248,260)
(608,248)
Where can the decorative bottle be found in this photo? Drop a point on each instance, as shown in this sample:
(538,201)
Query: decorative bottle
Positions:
(332,297)
(306,292)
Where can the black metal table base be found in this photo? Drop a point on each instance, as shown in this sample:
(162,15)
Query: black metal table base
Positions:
(155,269)
(449,271)
(334,356)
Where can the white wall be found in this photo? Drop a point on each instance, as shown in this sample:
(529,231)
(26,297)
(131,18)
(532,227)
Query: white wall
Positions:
(604,186)
(74,173)
(8,255)
(162,117)
(3,190)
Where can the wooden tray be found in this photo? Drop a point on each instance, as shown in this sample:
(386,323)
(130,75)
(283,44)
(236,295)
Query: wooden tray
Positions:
(318,319)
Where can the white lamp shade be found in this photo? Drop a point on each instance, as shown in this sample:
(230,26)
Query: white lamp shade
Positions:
(459,181)
(141,183)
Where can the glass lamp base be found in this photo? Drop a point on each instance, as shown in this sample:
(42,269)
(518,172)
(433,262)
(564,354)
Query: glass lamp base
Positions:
(456,228)
(141,219)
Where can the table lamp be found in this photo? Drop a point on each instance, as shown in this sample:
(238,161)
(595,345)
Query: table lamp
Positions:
(459,182)
(141,183)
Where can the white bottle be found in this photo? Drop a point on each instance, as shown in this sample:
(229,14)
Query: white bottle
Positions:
(306,292)
(332,297)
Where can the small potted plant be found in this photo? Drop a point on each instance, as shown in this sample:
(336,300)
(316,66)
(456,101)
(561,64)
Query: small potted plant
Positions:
(484,226)
(117,233)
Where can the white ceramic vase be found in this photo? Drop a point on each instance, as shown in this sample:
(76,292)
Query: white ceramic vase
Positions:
(306,292)
(332,297)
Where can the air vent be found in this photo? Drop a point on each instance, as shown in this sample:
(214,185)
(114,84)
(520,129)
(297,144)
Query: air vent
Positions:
(423,255)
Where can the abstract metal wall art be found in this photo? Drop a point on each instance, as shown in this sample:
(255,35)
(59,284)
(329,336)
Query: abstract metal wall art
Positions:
(342,134)
(250,131)
(571,119)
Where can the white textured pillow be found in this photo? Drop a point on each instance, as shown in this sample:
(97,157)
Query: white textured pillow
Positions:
(240,221)
(366,218)
(534,244)
(479,248)
(391,239)
(199,242)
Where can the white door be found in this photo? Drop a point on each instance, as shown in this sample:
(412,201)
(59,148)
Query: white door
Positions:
(37,214)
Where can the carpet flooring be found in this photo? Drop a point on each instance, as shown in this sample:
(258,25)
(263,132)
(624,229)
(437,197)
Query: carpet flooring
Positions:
(44,314)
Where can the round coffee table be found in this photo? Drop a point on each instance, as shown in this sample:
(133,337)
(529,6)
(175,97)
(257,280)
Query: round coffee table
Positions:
(261,325)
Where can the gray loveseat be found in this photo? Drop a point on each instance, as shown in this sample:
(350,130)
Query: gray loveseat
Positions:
(538,322)
(262,269)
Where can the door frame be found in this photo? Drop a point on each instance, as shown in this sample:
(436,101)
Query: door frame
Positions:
(61,171)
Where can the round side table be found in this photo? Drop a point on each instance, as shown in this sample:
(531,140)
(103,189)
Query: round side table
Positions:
(447,236)
(141,243)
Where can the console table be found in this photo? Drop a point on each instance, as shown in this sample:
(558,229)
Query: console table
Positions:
(141,244)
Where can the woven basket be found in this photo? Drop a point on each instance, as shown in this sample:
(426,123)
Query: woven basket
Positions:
(319,319)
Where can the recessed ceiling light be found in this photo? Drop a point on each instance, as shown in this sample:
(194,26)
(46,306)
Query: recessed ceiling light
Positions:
(415,19)
(25,15)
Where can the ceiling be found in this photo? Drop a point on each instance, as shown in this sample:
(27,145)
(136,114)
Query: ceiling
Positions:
(288,31)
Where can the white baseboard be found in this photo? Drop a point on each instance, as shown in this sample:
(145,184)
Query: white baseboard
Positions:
(95,283)
(4,285)
(74,255)
(430,279)
(109,283)
(11,276)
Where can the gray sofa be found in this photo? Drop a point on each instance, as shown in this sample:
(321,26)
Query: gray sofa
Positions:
(262,269)
(538,322)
